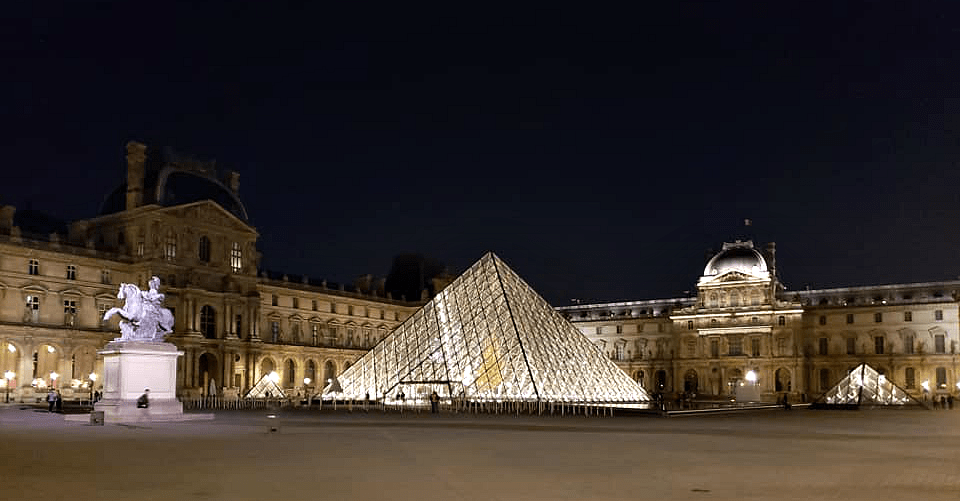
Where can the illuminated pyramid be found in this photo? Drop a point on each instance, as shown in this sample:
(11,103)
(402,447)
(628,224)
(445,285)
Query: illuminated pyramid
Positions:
(265,388)
(489,336)
(865,386)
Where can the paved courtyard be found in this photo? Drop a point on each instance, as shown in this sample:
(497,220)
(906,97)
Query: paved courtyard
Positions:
(800,454)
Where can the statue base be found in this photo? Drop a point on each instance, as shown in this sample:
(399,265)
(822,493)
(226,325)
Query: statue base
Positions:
(130,367)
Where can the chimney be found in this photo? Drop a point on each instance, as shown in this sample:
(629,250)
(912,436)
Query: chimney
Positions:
(770,254)
(233,182)
(136,165)
(6,218)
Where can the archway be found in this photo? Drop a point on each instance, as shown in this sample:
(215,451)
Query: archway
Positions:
(329,371)
(266,367)
(690,381)
(733,380)
(660,380)
(783,380)
(206,373)
(290,373)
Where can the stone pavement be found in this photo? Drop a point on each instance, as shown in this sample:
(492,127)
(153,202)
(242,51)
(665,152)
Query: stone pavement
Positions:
(801,454)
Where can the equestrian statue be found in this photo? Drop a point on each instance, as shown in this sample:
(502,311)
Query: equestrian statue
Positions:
(143,317)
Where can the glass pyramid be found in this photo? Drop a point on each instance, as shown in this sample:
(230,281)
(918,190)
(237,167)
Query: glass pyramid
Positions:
(865,386)
(489,336)
(266,387)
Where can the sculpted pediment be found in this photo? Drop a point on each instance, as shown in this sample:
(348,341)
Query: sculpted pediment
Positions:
(732,276)
(209,213)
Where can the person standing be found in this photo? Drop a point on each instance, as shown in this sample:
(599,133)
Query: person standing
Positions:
(59,402)
(51,400)
(434,403)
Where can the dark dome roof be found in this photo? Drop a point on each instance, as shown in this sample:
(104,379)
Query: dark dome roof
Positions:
(172,185)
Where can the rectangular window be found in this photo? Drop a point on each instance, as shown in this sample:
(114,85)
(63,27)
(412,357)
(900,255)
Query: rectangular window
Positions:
(736,346)
(69,311)
(619,330)
(599,330)
(908,344)
(910,378)
(350,309)
(941,377)
(140,249)
(236,258)
(851,346)
(689,326)
(755,346)
(104,276)
(823,346)
(382,314)
(296,302)
(849,318)
(33,267)
(33,309)
(619,352)
(275,331)
(315,333)
(274,300)
(878,345)
(937,315)
(823,320)
(313,305)
(71,272)
(781,346)
(237,325)
(825,379)
(101,311)
(715,348)
(781,320)
(908,316)
(333,307)
(878,317)
(939,343)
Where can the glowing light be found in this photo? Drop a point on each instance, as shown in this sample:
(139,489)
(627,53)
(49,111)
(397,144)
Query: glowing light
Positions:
(9,376)
(751,376)
(273,376)
(926,385)
(93,376)
(51,349)
(958,385)
(75,383)
(54,376)
(307,380)
(11,348)
(39,383)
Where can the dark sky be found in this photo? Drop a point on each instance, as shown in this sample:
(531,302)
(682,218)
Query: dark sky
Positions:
(598,152)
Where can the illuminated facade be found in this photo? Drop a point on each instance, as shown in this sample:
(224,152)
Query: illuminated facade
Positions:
(799,343)
(177,219)
(489,336)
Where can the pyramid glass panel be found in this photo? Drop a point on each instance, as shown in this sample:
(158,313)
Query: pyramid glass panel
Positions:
(487,336)
(865,386)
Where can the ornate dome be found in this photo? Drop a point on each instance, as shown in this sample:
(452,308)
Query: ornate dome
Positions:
(737,256)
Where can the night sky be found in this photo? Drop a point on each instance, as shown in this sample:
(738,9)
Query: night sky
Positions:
(599,152)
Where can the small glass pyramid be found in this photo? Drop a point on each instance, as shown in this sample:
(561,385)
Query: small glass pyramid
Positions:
(865,386)
(265,388)
(489,336)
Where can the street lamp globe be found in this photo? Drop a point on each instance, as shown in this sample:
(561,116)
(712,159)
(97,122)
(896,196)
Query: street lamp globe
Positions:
(93,376)
(307,381)
(751,376)
(9,375)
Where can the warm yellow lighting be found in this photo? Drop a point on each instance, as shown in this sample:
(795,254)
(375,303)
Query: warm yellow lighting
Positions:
(925,385)
(9,376)
(273,376)
(93,376)
(51,349)
(751,376)
(307,380)
(75,383)
(54,376)
(11,348)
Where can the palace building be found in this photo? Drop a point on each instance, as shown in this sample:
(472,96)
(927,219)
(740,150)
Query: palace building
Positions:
(743,322)
(183,221)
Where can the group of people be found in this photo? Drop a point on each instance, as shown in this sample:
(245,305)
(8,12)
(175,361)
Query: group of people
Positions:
(943,402)
(54,400)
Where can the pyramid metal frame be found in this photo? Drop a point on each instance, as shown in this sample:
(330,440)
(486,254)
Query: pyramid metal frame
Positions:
(865,386)
(489,336)
(265,384)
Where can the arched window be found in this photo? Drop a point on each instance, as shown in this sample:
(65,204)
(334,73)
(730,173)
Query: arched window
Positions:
(311,371)
(204,249)
(236,257)
(329,371)
(208,322)
(170,246)
(291,372)
(713,299)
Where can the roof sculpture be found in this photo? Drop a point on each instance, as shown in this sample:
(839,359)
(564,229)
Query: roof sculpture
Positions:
(865,386)
(489,336)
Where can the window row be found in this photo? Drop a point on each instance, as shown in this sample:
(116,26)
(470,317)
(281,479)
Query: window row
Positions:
(351,310)
(203,251)
(33,268)
(878,317)
(879,345)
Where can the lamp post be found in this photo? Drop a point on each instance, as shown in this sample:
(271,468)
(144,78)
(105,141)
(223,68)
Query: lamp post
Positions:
(53,379)
(7,378)
(306,389)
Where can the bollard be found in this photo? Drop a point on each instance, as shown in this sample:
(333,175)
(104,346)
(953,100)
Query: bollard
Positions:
(96,418)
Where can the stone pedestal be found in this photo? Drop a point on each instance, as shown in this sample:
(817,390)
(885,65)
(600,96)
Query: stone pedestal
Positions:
(130,367)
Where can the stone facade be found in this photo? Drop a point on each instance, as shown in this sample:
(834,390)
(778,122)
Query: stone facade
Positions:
(798,343)
(233,323)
